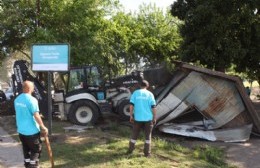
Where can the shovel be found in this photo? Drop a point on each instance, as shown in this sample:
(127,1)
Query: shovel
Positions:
(47,142)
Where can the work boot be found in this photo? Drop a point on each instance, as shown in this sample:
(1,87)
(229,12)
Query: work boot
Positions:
(27,163)
(131,147)
(34,164)
(147,149)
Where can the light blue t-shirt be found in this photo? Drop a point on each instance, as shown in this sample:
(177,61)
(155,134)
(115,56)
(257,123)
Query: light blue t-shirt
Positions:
(143,100)
(25,107)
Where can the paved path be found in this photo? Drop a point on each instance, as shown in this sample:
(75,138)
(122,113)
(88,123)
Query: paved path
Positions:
(11,155)
(245,155)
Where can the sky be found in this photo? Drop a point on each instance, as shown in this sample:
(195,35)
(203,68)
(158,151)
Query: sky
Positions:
(133,5)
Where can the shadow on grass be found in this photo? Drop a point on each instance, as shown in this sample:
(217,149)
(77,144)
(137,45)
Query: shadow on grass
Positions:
(102,152)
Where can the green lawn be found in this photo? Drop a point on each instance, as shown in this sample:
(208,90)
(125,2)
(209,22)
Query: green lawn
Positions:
(106,146)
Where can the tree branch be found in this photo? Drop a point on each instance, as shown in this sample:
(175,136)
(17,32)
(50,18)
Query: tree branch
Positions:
(27,55)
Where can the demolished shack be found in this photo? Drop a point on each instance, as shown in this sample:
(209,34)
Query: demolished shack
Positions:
(202,103)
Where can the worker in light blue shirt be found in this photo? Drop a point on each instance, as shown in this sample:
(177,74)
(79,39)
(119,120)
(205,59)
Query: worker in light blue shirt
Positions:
(142,115)
(29,124)
(25,107)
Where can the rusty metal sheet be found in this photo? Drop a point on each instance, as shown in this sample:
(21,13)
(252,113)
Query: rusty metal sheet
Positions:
(237,134)
(167,105)
(215,98)
(242,119)
(227,112)
(254,115)
(177,108)
(176,78)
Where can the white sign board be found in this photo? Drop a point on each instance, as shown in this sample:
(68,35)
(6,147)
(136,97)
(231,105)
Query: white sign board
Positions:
(50,57)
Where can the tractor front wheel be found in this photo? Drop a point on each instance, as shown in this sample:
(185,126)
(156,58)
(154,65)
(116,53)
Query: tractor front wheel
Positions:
(83,112)
(124,110)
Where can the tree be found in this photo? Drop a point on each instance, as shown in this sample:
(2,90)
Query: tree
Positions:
(16,25)
(218,33)
(116,40)
(159,39)
(96,30)
(76,22)
(129,38)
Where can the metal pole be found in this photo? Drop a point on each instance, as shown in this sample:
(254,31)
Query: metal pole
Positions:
(49,104)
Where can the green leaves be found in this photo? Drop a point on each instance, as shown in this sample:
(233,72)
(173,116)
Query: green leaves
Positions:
(159,38)
(97,31)
(219,33)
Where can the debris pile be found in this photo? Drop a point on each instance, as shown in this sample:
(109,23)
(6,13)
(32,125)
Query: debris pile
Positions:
(202,103)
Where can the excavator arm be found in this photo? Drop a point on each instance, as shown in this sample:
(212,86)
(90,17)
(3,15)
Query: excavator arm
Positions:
(22,72)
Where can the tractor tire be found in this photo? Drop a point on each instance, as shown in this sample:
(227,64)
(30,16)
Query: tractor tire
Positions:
(83,112)
(124,110)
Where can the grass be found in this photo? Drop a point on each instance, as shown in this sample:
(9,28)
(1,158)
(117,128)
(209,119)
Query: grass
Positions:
(210,154)
(106,146)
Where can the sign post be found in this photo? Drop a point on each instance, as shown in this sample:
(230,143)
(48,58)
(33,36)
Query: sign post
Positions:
(50,58)
(49,103)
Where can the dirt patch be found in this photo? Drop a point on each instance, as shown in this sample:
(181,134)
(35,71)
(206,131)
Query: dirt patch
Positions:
(7,108)
(8,123)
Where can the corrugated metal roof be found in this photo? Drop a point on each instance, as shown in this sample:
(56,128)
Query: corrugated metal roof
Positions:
(220,98)
(255,117)
(215,98)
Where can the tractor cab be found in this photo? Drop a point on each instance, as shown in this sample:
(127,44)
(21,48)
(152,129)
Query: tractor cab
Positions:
(86,79)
